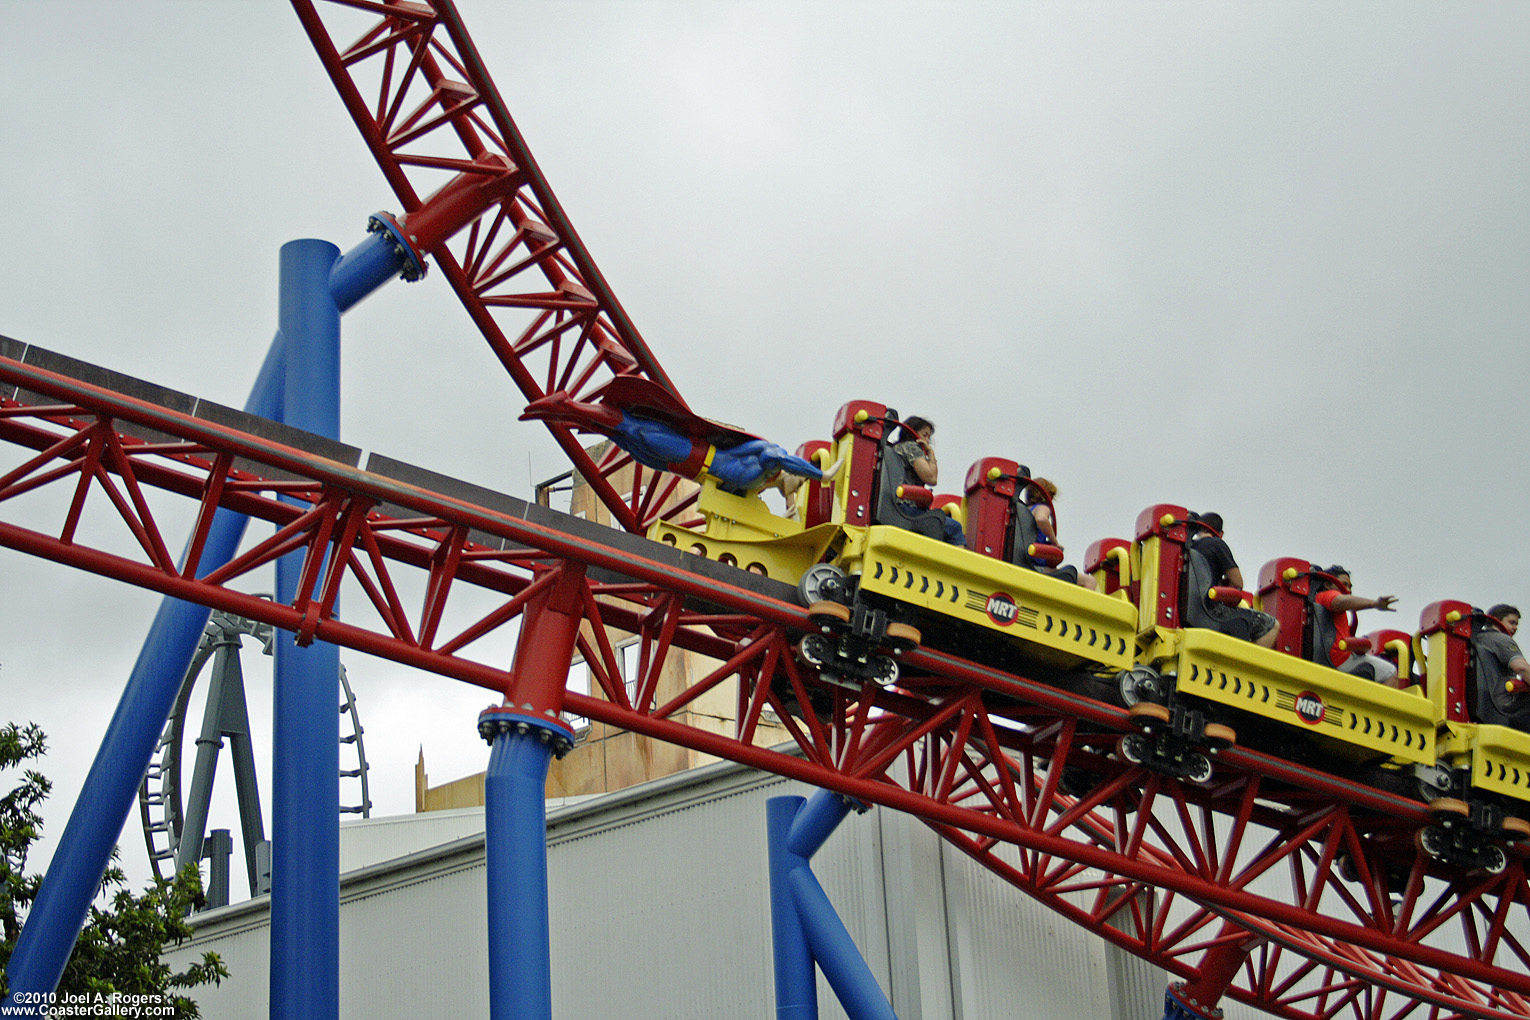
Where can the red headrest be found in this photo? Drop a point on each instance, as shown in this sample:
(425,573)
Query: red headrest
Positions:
(1437,616)
(1273,575)
(996,473)
(1152,522)
(844,420)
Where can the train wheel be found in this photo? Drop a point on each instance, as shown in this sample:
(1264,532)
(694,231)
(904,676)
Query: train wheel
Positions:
(1148,712)
(1220,736)
(884,670)
(823,582)
(826,616)
(815,650)
(1494,860)
(1516,828)
(1433,782)
(1134,748)
(1200,768)
(903,637)
(1140,684)
(1446,808)
(1432,841)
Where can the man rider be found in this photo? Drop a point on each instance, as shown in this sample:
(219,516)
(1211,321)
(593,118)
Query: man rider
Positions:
(1206,538)
(1337,597)
(1501,645)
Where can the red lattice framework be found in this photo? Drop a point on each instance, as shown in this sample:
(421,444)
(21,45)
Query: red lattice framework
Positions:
(423,101)
(1018,774)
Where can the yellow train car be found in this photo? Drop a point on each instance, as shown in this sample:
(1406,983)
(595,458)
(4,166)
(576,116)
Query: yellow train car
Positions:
(873,537)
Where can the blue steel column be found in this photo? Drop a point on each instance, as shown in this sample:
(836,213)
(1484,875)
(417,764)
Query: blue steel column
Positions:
(111,786)
(525,733)
(515,851)
(828,940)
(305,760)
(796,986)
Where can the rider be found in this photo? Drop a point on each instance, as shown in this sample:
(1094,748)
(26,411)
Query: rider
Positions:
(918,456)
(1335,595)
(1038,497)
(1500,644)
(1205,532)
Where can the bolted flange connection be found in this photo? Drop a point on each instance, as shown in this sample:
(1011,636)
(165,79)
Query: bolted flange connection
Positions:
(857,805)
(414,262)
(497,720)
(1179,1004)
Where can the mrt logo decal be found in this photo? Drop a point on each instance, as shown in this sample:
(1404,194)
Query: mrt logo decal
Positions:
(1001,609)
(1310,708)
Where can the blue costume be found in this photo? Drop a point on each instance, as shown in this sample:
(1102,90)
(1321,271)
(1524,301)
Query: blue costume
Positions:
(746,466)
(684,444)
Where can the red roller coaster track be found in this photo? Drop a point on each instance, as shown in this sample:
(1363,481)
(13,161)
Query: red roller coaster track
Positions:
(1169,870)
(1236,881)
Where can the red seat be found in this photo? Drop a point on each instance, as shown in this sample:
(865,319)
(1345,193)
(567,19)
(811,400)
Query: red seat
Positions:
(1475,685)
(999,524)
(1288,587)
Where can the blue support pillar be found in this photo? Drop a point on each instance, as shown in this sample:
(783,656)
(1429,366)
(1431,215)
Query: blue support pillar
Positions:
(111,786)
(797,829)
(796,987)
(305,760)
(515,851)
(835,951)
(816,822)
(524,734)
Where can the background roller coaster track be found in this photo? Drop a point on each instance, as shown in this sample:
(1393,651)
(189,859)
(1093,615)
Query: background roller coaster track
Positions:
(1166,869)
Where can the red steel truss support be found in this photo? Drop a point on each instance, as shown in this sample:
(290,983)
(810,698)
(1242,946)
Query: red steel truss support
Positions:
(1227,954)
(1018,774)
(549,628)
(428,110)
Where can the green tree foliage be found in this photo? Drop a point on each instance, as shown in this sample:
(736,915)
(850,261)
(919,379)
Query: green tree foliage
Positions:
(119,949)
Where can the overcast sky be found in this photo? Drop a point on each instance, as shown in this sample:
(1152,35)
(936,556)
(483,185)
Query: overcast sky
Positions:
(1269,259)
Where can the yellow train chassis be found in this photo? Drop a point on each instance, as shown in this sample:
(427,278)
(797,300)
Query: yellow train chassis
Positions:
(1368,719)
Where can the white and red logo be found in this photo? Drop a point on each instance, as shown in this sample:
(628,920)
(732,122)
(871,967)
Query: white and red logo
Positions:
(1001,609)
(1310,708)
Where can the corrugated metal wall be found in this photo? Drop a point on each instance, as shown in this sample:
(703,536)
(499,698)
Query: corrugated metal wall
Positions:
(1012,957)
(417,949)
(661,911)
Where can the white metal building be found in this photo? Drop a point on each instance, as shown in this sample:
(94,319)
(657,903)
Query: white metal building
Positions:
(661,910)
